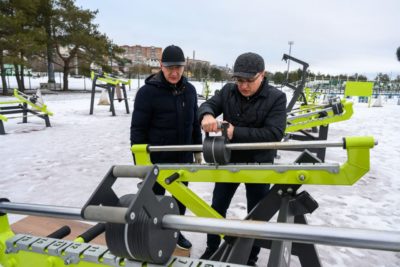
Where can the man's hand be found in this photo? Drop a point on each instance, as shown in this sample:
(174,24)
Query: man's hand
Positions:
(198,157)
(230,130)
(209,124)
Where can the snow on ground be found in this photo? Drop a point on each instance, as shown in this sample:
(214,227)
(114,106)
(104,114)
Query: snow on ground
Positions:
(62,165)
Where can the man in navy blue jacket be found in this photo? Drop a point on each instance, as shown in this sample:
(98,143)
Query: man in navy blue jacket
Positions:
(165,113)
(256,112)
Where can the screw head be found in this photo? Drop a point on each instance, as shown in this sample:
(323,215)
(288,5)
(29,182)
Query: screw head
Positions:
(290,190)
(280,192)
(171,205)
(302,177)
(155,220)
(156,171)
(160,253)
(132,215)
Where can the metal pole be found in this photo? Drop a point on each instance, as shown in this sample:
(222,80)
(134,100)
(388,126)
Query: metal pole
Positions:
(41,210)
(347,237)
(288,64)
(358,238)
(247,146)
(304,115)
(84,82)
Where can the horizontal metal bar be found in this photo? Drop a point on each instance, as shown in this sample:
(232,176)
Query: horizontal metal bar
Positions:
(330,167)
(347,237)
(358,238)
(285,145)
(308,114)
(253,146)
(41,210)
(131,171)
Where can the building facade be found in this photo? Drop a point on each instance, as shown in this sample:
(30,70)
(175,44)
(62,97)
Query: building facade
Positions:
(138,54)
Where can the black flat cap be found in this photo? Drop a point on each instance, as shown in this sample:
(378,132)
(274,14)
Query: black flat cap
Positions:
(247,65)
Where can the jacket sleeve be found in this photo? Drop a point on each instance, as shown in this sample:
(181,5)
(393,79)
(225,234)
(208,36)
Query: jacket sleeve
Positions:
(214,105)
(197,138)
(141,116)
(273,128)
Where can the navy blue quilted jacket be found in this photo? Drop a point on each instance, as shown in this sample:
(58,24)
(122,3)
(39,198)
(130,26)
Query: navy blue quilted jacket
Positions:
(166,114)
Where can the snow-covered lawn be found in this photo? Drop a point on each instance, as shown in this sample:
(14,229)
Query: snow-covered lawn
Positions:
(63,164)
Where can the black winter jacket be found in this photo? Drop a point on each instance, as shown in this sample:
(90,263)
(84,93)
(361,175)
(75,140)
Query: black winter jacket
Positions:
(260,118)
(165,114)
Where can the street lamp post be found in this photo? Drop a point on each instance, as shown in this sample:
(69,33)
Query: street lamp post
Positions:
(290,43)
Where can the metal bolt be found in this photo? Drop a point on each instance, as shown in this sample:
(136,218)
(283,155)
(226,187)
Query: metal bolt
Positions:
(132,216)
(171,205)
(176,235)
(160,253)
(302,177)
(68,261)
(156,171)
(290,190)
(280,192)
(155,220)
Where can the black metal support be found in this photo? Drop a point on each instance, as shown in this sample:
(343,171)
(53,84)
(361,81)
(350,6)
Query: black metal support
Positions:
(292,207)
(307,136)
(123,87)
(25,112)
(299,90)
(111,94)
(92,94)
(2,130)
(281,250)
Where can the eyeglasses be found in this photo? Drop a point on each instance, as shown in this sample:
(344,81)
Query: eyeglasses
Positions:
(241,81)
(174,68)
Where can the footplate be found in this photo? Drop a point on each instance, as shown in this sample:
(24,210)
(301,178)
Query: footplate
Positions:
(42,250)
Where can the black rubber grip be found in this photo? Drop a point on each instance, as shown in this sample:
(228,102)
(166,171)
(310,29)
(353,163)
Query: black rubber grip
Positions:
(60,233)
(93,232)
(3,200)
(172,178)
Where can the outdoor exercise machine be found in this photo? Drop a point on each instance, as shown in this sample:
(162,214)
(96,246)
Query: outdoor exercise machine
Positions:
(142,228)
(113,85)
(303,115)
(303,118)
(298,91)
(26,105)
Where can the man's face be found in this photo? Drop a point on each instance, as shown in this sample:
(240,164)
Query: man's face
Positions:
(248,87)
(172,73)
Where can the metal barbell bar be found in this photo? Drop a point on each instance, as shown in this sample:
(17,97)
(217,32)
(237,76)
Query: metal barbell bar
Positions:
(253,146)
(335,236)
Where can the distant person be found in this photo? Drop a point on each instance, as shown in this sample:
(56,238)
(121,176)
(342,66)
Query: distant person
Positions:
(256,112)
(165,113)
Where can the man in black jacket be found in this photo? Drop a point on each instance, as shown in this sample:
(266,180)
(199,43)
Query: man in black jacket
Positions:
(256,112)
(165,113)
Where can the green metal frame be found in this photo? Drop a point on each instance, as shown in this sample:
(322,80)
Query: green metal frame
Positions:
(315,121)
(348,173)
(24,100)
(109,79)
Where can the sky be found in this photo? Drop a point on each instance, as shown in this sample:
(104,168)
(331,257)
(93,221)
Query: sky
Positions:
(359,36)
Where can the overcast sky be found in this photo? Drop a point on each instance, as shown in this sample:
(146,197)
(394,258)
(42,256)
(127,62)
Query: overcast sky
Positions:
(341,36)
